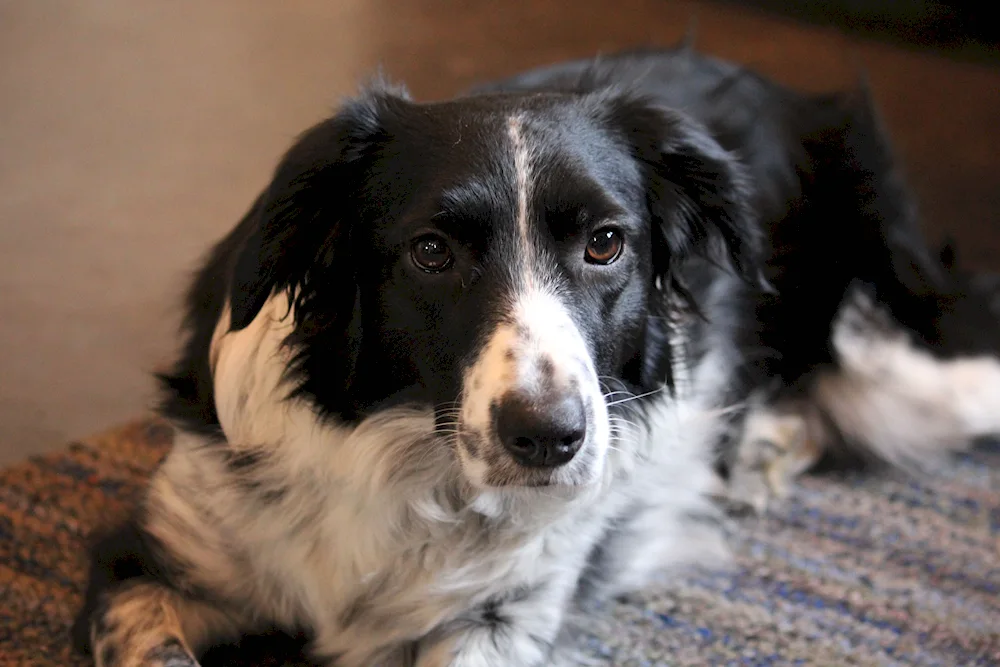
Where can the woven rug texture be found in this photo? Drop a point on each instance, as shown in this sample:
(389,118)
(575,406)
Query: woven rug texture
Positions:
(850,570)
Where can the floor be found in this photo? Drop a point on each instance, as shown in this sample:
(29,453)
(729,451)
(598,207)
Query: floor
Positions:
(134,132)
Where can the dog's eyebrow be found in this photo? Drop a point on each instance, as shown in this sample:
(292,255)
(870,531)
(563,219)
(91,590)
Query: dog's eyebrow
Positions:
(567,210)
(471,194)
(471,202)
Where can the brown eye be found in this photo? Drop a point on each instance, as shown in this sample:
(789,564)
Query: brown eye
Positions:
(431,253)
(605,246)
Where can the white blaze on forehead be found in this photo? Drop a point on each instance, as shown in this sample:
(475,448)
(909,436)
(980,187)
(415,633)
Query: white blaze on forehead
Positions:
(522,185)
(546,331)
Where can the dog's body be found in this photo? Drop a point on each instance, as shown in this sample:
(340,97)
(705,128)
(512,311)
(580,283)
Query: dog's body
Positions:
(465,365)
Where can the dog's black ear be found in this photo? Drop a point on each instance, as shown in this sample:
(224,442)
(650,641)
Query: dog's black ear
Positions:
(698,194)
(306,212)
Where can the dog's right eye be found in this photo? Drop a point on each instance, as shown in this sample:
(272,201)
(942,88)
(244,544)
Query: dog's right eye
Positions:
(605,246)
(431,253)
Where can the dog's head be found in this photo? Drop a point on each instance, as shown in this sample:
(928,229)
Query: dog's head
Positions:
(502,260)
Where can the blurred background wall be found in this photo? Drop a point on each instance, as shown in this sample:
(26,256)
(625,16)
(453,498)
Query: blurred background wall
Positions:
(134,132)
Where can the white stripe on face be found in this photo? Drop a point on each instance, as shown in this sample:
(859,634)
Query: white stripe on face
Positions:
(522,183)
(537,352)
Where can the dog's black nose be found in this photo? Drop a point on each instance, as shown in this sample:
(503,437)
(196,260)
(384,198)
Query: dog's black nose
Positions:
(540,433)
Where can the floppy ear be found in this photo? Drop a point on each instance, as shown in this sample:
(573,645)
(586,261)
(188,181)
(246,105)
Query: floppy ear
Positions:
(305,214)
(698,194)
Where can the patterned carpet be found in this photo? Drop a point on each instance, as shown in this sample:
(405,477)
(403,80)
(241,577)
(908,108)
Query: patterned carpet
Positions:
(851,570)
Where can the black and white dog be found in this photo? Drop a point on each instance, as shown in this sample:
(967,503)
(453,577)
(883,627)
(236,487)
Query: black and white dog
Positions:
(464,365)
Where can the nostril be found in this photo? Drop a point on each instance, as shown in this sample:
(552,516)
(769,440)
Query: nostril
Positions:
(524,444)
(573,439)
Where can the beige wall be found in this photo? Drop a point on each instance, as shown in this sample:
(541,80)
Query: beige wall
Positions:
(134,132)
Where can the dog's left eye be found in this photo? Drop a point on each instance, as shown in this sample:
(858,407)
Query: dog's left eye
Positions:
(431,253)
(605,246)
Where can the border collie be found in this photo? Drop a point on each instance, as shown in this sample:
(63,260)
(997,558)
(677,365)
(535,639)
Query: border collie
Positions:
(464,366)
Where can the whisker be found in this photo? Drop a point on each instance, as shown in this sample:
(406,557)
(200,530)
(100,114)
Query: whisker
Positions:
(612,393)
(636,397)
(610,381)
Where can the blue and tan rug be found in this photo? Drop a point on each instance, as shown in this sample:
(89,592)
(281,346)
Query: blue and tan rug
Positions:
(852,570)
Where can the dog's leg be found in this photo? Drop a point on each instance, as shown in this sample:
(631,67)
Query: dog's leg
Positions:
(136,610)
(778,443)
(897,401)
(885,398)
(145,623)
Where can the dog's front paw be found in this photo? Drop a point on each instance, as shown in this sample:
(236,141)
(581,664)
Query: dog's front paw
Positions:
(488,647)
(776,447)
(139,625)
(168,653)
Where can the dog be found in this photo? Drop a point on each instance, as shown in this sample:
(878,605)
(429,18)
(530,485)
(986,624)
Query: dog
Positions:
(466,366)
